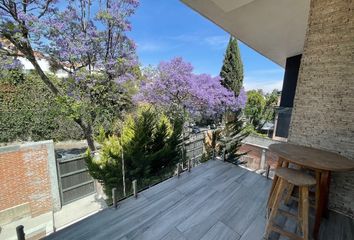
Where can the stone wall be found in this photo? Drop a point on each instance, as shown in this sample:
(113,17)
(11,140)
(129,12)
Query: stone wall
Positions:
(323,115)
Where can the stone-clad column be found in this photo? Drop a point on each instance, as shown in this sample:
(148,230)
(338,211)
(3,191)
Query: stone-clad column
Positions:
(323,115)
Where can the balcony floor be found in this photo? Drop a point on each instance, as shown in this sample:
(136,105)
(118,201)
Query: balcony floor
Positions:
(216,200)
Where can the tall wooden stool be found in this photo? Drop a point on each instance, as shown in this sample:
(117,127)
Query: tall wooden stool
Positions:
(288,178)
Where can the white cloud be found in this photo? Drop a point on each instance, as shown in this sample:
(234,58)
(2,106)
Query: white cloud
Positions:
(214,41)
(266,79)
(266,72)
(184,38)
(217,40)
(266,86)
(150,46)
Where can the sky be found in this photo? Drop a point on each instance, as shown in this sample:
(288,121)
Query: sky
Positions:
(164,29)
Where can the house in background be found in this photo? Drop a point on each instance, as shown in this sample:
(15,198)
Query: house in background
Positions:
(314,41)
(43,61)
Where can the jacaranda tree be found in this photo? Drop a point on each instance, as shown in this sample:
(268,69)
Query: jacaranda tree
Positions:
(91,46)
(176,88)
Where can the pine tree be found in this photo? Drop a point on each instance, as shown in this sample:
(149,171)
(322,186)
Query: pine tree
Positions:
(232,70)
(232,136)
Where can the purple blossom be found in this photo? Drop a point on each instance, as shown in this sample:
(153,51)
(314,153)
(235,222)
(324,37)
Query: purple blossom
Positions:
(9,63)
(175,84)
(75,40)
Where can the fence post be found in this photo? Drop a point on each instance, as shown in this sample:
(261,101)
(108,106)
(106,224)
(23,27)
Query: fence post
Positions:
(178,169)
(123,174)
(114,197)
(134,189)
(20,232)
(223,154)
(189,165)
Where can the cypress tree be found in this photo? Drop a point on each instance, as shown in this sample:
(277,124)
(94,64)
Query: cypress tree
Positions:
(232,70)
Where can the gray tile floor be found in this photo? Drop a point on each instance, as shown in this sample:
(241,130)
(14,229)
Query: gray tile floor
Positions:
(217,200)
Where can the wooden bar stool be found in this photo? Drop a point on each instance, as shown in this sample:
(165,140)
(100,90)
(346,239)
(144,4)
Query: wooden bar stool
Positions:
(288,178)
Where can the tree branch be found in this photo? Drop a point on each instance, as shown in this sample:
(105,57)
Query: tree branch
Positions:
(45,9)
(8,53)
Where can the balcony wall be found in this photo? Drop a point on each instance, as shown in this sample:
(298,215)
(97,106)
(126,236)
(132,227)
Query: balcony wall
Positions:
(323,115)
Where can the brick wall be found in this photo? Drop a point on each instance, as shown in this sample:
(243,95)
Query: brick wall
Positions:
(254,156)
(26,177)
(323,115)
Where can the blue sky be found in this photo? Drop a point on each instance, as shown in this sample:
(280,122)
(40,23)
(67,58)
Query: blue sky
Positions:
(164,29)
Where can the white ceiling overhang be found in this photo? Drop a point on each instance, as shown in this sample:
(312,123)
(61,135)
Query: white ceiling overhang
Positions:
(274,28)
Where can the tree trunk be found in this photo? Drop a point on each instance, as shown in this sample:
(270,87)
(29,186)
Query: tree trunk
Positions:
(89,139)
(28,52)
(87,129)
(43,76)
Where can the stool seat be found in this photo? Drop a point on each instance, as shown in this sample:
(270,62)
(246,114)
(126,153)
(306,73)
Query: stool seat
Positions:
(296,177)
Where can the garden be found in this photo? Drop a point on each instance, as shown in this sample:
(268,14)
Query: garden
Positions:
(134,118)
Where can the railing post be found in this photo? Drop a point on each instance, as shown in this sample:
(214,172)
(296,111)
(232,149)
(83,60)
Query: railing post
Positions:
(223,154)
(263,159)
(189,165)
(20,232)
(114,197)
(178,169)
(267,171)
(135,189)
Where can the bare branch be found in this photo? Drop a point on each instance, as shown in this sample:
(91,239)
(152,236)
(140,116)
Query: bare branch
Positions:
(45,9)
(10,54)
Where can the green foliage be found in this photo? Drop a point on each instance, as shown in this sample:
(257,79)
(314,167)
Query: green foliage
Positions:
(101,136)
(232,69)
(260,107)
(27,115)
(154,148)
(11,76)
(29,111)
(249,128)
(151,148)
(106,167)
(232,136)
(94,99)
(254,107)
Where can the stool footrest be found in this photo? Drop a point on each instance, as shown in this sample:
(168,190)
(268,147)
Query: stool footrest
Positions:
(285,233)
(288,214)
(296,199)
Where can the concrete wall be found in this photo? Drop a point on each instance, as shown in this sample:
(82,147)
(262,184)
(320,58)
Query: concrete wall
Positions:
(323,115)
(28,181)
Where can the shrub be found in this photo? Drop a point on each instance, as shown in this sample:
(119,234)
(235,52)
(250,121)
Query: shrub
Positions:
(150,144)
(27,115)
(232,136)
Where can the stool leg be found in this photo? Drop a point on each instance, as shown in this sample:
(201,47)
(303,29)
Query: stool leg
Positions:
(288,194)
(318,185)
(305,211)
(275,179)
(274,207)
(299,210)
(272,197)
